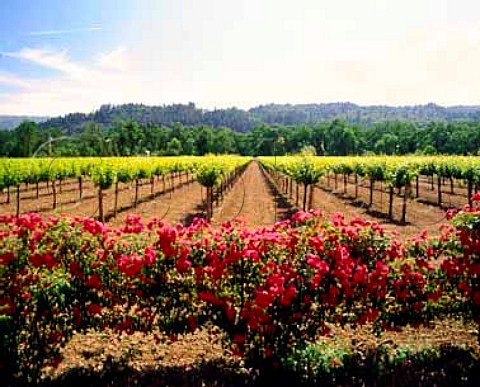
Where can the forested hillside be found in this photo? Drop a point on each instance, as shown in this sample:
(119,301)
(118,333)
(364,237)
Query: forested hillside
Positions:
(188,115)
(335,137)
(244,120)
(365,115)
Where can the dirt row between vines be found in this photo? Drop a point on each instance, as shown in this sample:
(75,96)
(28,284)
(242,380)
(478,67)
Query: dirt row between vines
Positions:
(420,215)
(253,200)
(179,200)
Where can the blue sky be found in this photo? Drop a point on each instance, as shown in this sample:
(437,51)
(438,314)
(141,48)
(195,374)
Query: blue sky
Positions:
(58,56)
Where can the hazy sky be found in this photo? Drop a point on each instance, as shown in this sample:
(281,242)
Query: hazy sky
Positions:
(59,56)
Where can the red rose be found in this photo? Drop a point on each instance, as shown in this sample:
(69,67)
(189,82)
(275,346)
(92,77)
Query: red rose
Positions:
(263,299)
(183,265)
(210,298)
(239,338)
(94,281)
(94,309)
(476,197)
(26,296)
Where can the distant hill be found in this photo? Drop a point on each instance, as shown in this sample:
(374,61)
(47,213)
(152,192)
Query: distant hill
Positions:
(187,114)
(244,120)
(11,122)
(366,115)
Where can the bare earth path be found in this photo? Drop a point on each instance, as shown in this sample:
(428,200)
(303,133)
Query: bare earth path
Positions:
(251,199)
(180,206)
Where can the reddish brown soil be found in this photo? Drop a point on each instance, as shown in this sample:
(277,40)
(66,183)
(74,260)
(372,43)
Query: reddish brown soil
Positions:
(99,353)
(178,206)
(422,213)
(419,217)
(178,201)
(252,199)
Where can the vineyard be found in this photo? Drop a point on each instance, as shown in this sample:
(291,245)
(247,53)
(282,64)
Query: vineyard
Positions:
(409,192)
(115,184)
(275,292)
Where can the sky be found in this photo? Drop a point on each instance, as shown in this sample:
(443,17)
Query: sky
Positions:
(59,57)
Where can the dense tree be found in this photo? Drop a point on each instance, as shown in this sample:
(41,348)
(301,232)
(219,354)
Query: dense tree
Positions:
(337,137)
(26,135)
(340,139)
(92,141)
(273,114)
(174,147)
(223,141)
(204,143)
(7,143)
(387,144)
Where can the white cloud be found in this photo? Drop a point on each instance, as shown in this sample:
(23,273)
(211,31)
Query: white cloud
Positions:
(75,87)
(56,60)
(429,62)
(115,59)
(12,80)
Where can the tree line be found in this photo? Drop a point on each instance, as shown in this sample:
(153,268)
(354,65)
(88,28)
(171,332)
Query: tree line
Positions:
(242,120)
(335,137)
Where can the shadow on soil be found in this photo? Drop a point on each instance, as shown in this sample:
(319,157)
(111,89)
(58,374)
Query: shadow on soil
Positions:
(284,207)
(452,366)
(209,373)
(168,190)
(350,200)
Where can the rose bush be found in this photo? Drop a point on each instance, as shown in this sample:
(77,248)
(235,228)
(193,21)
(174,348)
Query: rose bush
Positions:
(272,289)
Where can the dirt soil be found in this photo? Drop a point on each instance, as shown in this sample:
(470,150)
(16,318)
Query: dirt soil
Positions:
(203,359)
(177,200)
(253,199)
(421,214)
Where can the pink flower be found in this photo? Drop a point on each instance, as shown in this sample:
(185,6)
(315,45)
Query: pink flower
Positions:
(338,219)
(230,313)
(75,269)
(263,299)
(150,256)
(131,265)
(93,226)
(134,224)
(301,216)
(319,264)
(239,338)
(290,293)
(38,260)
(361,275)
(251,254)
(167,238)
(26,296)
(6,258)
